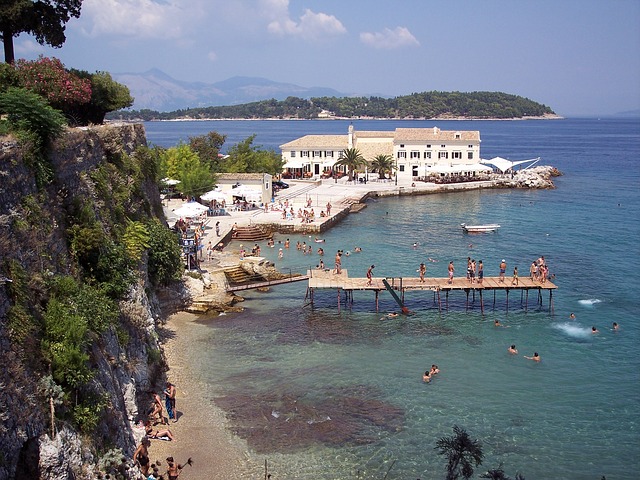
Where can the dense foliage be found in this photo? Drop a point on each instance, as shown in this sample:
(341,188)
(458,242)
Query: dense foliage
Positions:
(84,98)
(197,164)
(44,19)
(417,105)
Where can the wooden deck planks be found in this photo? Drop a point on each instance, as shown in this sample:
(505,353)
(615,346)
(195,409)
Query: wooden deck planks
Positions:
(326,279)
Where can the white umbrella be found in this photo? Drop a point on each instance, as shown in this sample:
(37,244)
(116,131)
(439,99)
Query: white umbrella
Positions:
(191,209)
(213,195)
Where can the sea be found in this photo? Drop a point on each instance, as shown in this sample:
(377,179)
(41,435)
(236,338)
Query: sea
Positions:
(328,392)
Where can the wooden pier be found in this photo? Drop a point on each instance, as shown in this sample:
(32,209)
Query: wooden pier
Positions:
(327,279)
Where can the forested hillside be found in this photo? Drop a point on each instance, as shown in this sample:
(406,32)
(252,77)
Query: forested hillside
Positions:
(416,105)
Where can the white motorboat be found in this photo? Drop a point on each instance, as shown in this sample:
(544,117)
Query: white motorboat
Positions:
(489,227)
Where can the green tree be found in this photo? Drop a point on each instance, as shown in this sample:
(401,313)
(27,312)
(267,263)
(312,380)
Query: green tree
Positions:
(165,261)
(461,452)
(182,163)
(44,19)
(352,159)
(208,148)
(245,157)
(383,164)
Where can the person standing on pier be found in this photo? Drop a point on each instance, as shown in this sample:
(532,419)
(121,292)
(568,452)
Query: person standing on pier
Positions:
(422,270)
(480,271)
(503,270)
(515,280)
(451,270)
(338,262)
(370,274)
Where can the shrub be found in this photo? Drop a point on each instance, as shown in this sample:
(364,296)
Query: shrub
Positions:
(165,261)
(48,77)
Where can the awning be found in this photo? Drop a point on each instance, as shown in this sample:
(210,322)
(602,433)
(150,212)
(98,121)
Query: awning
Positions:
(503,164)
(296,163)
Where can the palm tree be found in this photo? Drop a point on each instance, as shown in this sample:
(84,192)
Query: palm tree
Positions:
(461,452)
(352,159)
(382,164)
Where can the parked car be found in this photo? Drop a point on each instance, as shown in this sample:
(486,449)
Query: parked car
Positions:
(279,184)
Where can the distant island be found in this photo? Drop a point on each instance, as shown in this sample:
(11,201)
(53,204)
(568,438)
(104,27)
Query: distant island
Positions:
(426,105)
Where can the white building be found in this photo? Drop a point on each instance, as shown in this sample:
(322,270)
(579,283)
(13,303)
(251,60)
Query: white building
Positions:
(419,153)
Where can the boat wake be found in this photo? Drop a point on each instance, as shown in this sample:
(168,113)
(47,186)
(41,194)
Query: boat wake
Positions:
(573,330)
(589,302)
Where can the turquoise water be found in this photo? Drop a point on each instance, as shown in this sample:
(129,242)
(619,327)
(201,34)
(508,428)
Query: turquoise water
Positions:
(324,394)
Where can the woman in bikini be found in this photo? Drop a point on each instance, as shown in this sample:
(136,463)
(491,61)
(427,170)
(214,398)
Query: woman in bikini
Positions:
(158,434)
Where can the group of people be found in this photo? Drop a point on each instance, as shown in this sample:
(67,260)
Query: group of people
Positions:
(429,374)
(614,326)
(514,351)
(156,416)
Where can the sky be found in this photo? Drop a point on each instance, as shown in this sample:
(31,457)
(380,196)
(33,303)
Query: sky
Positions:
(579,57)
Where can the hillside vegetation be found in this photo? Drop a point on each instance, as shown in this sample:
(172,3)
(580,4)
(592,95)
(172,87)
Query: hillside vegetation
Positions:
(470,105)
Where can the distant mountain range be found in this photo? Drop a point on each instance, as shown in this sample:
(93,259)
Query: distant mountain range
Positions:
(155,90)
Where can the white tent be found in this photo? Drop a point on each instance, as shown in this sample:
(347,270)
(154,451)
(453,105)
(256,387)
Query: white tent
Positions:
(214,195)
(247,192)
(503,164)
(191,209)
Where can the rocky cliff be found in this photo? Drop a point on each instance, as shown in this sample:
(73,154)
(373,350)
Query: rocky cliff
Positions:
(125,358)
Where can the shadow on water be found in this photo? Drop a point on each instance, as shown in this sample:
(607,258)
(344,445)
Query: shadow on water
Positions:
(292,421)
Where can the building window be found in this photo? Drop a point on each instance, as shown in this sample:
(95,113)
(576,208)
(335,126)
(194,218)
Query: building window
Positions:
(456,155)
(415,154)
(427,154)
(428,146)
(458,136)
(401,168)
(328,153)
(402,145)
(304,153)
(443,146)
(470,146)
(293,154)
(443,154)
(402,154)
(317,153)
(470,155)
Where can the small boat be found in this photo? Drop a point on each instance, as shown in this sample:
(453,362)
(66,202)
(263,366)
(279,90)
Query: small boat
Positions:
(489,227)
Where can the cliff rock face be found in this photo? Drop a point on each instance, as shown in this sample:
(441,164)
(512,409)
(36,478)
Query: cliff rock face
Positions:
(32,233)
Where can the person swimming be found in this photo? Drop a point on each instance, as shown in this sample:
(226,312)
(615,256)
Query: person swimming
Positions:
(512,350)
(535,358)
(426,377)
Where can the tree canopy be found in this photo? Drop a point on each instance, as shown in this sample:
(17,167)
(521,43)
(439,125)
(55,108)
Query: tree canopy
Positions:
(417,105)
(44,19)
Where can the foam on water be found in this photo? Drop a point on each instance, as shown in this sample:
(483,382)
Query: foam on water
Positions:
(589,302)
(573,330)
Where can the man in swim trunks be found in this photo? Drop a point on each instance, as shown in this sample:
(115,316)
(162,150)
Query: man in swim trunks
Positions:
(512,350)
(535,358)
(370,274)
(503,269)
(422,270)
(451,270)
(480,271)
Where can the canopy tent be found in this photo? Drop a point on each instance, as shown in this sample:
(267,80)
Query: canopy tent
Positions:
(503,164)
(216,195)
(191,209)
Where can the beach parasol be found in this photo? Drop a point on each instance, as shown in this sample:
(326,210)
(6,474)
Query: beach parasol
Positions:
(170,181)
(191,209)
